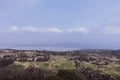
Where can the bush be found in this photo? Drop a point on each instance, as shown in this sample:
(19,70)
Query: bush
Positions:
(68,75)
(6,62)
(53,77)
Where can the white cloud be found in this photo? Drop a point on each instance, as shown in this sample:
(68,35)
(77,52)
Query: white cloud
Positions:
(53,30)
(33,29)
(112,30)
(78,30)
(14,28)
(43,30)
(82,30)
(22,28)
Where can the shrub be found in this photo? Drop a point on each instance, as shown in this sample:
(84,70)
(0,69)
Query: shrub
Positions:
(5,62)
(53,77)
(68,75)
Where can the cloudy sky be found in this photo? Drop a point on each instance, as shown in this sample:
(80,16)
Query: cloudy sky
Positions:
(60,23)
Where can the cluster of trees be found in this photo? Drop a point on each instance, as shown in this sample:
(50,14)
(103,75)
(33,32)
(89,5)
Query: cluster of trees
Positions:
(22,57)
(6,62)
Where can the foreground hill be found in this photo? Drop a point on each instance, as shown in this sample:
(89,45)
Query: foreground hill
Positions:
(88,64)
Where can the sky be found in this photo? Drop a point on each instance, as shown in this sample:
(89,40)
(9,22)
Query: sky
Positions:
(82,24)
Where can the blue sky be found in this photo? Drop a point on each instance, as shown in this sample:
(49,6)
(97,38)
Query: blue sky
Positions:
(62,23)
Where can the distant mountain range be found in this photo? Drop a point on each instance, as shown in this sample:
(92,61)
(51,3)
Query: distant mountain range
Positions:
(51,46)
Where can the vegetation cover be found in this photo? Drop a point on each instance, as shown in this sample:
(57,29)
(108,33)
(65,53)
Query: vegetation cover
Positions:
(67,65)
